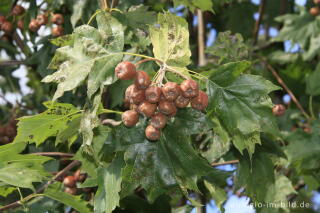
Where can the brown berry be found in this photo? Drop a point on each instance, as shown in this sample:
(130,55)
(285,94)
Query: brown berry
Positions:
(278,110)
(69,181)
(182,101)
(189,88)
(137,96)
(142,80)
(34,26)
(152,133)
(200,102)
(147,109)
(153,94)
(130,118)
(2,20)
(125,70)
(307,130)
(18,10)
(20,24)
(167,107)
(57,31)
(175,110)
(315,11)
(79,177)
(42,19)
(57,19)
(158,121)
(70,190)
(7,27)
(171,91)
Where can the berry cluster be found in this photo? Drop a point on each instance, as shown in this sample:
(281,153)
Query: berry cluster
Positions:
(158,103)
(8,132)
(42,19)
(315,11)
(70,182)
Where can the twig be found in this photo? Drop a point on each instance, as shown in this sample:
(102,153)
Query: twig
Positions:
(201,40)
(225,163)
(59,154)
(11,63)
(259,20)
(281,82)
(59,174)
(111,122)
(24,48)
(103,4)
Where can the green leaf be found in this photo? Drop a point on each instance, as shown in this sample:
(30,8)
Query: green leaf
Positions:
(109,186)
(228,48)
(21,170)
(54,192)
(93,52)
(170,40)
(252,173)
(53,122)
(140,17)
(204,5)
(302,29)
(277,193)
(241,103)
(313,87)
(6,190)
(189,121)
(167,162)
(303,149)
(219,195)
(216,142)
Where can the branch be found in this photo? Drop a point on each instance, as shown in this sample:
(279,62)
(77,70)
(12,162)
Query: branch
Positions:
(225,163)
(259,20)
(24,48)
(59,154)
(281,82)
(201,40)
(41,189)
(11,63)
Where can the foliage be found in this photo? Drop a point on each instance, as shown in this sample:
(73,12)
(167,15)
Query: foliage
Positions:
(75,103)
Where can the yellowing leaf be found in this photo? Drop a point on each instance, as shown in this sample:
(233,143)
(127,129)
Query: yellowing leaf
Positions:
(170,40)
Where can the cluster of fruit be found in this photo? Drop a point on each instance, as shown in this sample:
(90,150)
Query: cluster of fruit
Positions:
(70,183)
(8,132)
(156,102)
(315,11)
(42,19)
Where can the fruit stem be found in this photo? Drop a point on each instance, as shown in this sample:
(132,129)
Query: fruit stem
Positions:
(143,56)
(110,111)
(177,72)
(93,16)
(143,61)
